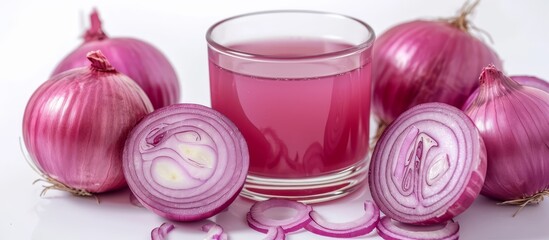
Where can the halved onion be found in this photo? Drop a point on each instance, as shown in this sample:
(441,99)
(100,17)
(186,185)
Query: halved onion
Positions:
(261,222)
(428,166)
(390,229)
(275,233)
(159,233)
(185,162)
(358,227)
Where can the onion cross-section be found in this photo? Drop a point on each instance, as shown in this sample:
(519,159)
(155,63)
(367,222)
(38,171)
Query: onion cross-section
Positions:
(428,166)
(185,162)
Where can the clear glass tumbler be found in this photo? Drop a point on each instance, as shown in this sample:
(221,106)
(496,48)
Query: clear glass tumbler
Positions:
(297,85)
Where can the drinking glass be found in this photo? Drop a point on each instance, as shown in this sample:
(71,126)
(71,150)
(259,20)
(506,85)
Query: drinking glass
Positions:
(297,85)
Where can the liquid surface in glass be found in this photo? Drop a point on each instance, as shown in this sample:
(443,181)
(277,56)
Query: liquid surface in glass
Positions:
(296,127)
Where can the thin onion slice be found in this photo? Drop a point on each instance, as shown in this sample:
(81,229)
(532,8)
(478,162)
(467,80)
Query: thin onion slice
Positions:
(160,233)
(390,229)
(358,227)
(275,233)
(259,221)
(428,166)
(215,232)
(185,162)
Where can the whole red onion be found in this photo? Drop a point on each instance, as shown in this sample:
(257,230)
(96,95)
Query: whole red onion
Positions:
(513,121)
(76,123)
(139,60)
(426,61)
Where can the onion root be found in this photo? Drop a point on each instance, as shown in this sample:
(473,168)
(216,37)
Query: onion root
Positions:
(61,187)
(522,202)
(461,21)
(54,184)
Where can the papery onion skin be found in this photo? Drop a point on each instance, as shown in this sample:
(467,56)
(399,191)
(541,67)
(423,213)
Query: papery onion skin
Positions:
(530,81)
(430,138)
(513,121)
(205,151)
(75,125)
(388,230)
(139,60)
(425,61)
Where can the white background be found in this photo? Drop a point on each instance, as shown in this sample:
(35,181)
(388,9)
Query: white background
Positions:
(36,35)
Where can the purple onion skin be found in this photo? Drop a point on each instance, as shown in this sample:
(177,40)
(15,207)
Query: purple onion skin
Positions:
(425,61)
(513,121)
(139,60)
(530,81)
(385,187)
(76,123)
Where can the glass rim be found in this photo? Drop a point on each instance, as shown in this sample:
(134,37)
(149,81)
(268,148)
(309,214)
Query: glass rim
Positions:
(248,55)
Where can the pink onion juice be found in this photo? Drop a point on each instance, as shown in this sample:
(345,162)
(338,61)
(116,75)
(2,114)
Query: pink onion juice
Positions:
(297,127)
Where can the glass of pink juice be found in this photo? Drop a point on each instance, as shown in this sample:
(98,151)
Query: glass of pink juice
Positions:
(297,85)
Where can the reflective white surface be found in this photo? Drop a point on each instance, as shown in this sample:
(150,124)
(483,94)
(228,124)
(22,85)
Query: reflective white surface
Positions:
(36,35)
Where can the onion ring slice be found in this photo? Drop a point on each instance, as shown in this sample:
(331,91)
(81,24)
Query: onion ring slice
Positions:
(358,227)
(159,233)
(215,232)
(275,233)
(259,221)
